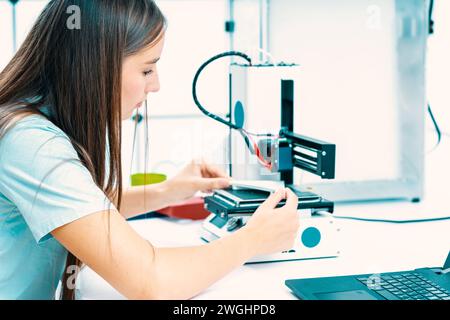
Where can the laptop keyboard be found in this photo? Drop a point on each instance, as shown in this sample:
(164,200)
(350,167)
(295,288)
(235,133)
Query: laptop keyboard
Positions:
(406,286)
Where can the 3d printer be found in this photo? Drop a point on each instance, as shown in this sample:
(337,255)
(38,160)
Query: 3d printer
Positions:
(254,91)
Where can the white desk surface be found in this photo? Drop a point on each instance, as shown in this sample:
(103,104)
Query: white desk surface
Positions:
(366,247)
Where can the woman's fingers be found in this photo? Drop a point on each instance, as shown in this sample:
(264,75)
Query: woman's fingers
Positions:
(291,200)
(273,200)
(205,184)
(211,171)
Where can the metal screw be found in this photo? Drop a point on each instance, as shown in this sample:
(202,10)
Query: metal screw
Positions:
(324,153)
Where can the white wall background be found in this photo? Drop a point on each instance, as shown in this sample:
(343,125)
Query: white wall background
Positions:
(178,131)
(347,88)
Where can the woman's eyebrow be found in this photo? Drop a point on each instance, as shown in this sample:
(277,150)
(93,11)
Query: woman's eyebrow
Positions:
(153,61)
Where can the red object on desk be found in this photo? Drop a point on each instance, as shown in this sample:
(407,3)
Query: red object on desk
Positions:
(191,209)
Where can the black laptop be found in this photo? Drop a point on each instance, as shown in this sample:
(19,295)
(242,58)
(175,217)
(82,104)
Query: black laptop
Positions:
(419,284)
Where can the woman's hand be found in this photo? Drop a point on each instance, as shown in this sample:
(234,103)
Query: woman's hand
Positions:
(197,176)
(274,229)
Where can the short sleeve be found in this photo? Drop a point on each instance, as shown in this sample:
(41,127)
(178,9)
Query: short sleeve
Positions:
(40,173)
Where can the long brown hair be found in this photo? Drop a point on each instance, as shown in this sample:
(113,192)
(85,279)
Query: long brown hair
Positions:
(77,73)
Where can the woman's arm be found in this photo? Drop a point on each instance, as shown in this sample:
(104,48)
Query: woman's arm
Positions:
(143,199)
(140,271)
(106,243)
(197,176)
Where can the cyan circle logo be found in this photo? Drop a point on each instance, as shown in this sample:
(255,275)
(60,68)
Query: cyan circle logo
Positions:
(311,237)
(239,116)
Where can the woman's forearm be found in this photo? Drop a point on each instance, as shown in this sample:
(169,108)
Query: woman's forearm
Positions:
(143,199)
(182,273)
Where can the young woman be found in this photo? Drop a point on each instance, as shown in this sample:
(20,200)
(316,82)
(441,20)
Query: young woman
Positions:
(62,99)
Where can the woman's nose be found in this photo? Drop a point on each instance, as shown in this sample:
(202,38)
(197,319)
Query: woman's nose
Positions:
(153,86)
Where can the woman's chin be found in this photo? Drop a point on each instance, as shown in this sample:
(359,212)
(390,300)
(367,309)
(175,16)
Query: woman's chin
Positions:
(129,112)
(127,115)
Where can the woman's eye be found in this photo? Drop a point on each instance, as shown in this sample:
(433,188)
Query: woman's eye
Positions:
(147,73)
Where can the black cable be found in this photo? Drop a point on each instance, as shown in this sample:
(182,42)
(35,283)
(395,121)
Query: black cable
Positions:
(436,126)
(194,86)
(430,112)
(391,221)
(430,18)
(244,133)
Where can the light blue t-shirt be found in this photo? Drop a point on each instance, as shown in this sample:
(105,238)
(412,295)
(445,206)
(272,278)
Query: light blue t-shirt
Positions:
(43,186)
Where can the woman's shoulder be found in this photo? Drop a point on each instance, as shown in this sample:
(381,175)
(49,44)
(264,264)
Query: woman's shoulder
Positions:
(30,133)
(34,123)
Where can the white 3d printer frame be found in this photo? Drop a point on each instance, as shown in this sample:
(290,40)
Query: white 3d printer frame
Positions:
(410,18)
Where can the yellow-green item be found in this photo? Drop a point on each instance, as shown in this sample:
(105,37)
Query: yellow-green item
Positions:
(140,179)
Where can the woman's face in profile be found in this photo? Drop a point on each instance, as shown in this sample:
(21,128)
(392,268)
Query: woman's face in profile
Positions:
(139,77)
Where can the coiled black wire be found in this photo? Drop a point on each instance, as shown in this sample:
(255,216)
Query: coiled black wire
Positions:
(197,75)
